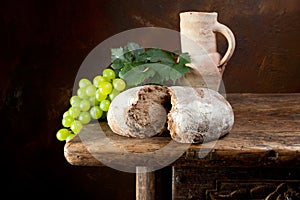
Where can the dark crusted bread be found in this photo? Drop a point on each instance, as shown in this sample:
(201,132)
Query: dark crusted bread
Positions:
(140,111)
(198,115)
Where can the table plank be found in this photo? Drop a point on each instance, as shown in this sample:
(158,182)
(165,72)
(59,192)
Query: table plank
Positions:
(266,133)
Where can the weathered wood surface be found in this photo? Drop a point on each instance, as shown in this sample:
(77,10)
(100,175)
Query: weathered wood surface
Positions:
(266,133)
(227,183)
(145,184)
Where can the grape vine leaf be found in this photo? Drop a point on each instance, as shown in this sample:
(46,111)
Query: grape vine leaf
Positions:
(138,66)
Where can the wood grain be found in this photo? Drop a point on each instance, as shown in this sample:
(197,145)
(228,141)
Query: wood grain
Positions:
(145,184)
(227,183)
(266,133)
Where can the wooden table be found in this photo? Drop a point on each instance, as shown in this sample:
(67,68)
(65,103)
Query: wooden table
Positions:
(258,159)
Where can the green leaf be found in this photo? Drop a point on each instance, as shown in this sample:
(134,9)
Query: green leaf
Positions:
(158,55)
(126,53)
(117,64)
(133,50)
(138,66)
(184,58)
(161,73)
(177,72)
(181,68)
(131,46)
(142,58)
(135,75)
(128,56)
(117,53)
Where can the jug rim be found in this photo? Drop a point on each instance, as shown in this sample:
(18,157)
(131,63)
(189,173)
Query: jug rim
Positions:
(213,13)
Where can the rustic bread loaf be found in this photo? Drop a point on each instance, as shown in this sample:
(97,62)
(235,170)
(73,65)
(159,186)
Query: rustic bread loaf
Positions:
(140,111)
(191,115)
(198,115)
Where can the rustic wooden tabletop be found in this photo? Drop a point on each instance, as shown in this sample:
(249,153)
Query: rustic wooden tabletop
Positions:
(266,132)
(266,129)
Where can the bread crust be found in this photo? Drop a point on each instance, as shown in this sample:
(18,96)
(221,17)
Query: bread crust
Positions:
(198,115)
(194,115)
(140,111)
(117,110)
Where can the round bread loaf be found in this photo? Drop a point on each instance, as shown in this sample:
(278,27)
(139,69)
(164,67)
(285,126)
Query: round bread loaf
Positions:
(198,114)
(140,111)
(191,115)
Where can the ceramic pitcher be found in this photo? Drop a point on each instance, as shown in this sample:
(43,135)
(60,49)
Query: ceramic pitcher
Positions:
(198,37)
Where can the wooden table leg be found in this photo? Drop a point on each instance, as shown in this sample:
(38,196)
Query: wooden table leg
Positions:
(145,184)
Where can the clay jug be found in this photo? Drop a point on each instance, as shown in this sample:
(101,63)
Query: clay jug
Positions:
(198,37)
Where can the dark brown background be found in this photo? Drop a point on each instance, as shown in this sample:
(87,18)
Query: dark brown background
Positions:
(43,44)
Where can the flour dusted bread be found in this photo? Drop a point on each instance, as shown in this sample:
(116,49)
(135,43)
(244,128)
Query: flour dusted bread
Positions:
(198,115)
(140,111)
(191,115)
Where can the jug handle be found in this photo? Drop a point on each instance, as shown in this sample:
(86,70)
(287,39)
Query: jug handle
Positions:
(224,30)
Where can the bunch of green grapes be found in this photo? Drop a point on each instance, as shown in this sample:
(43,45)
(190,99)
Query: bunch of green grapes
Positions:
(91,102)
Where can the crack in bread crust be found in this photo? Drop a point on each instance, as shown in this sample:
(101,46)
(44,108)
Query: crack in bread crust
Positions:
(188,115)
(198,115)
(148,115)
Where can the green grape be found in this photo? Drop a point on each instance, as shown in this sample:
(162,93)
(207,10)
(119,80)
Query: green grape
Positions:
(75,101)
(62,134)
(96,112)
(119,84)
(76,126)
(84,117)
(94,101)
(66,114)
(84,82)
(67,121)
(104,105)
(81,93)
(100,96)
(70,136)
(74,111)
(113,94)
(85,105)
(109,74)
(90,90)
(99,79)
(105,88)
